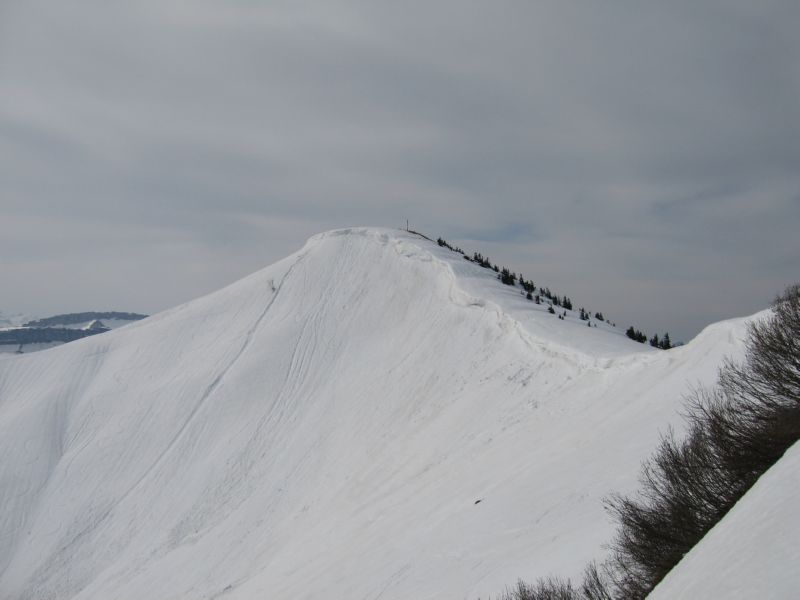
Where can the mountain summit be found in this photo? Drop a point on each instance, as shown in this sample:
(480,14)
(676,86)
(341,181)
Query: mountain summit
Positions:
(371,417)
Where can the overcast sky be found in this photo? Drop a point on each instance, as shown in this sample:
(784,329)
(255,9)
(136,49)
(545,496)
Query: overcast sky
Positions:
(643,158)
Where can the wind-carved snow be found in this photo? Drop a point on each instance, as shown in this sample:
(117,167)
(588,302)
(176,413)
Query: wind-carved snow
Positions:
(324,428)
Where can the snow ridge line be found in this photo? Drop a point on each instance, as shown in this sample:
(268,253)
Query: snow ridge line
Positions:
(215,383)
(505,321)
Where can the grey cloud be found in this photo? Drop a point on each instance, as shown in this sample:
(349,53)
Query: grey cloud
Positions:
(642,159)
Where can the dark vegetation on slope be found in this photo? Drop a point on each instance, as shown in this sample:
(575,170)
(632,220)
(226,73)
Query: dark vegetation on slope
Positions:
(737,430)
(545,296)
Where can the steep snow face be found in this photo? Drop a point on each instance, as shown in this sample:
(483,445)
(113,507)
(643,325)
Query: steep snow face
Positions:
(753,552)
(372,417)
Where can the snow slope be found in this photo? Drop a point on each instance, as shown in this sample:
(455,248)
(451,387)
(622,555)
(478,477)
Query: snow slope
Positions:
(372,417)
(754,551)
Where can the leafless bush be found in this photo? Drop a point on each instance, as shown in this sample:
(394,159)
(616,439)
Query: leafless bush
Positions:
(544,589)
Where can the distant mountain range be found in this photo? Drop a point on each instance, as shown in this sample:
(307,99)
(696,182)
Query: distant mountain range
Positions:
(19,334)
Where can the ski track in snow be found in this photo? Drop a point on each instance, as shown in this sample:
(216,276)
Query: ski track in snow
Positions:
(365,402)
(212,387)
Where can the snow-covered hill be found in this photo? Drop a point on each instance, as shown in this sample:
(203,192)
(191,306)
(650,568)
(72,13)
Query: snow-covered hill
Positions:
(372,417)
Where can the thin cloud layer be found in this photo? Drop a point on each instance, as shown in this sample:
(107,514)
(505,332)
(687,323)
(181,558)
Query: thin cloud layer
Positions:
(643,160)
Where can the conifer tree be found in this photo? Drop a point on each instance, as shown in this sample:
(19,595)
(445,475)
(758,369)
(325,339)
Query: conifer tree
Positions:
(666,343)
(636,335)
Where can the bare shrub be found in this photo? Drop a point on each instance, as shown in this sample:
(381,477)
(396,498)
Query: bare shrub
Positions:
(596,584)
(544,589)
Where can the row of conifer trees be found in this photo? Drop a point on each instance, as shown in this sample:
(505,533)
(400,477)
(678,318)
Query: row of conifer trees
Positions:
(510,278)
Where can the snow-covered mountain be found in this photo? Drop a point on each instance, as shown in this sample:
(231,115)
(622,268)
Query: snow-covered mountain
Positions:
(371,417)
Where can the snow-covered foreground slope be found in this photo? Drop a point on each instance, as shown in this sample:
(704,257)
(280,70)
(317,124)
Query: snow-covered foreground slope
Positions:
(372,417)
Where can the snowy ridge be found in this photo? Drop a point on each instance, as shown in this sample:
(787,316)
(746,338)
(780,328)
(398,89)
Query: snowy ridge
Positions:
(325,428)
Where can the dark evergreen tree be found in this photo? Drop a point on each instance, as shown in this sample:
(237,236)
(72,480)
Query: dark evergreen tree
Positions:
(507,277)
(636,335)
(482,260)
